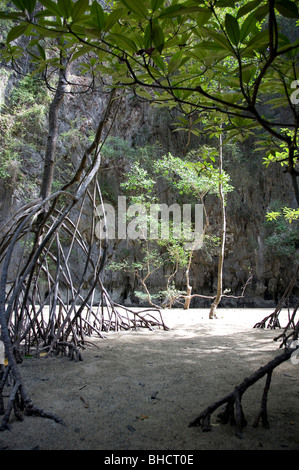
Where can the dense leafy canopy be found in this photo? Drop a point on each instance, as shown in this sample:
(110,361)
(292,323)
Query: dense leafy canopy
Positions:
(216,56)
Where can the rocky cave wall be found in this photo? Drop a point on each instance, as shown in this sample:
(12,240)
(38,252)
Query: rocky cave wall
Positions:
(246,252)
(256,187)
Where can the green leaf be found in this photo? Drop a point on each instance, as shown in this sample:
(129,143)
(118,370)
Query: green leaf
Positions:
(278,102)
(154,35)
(44,13)
(287,45)
(173,66)
(20,4)
(219,38)
(137,7)
(47,32)
(203,17)
(181,9)
(232,29)
(123,42)
(261,12)
(155,4)
(83,50)
(259,40)
(158,61)
(226,3)
(66,7)
(144,94)
(29,5)
(112,18)
(247,72)
(52,7)
(41,51)
(287,8)
(79,8)
(147,40)
(247,27)
(176,61)
(158,37)
(171,11)
(16,32)
(6,15)
(248,7)
(98,14)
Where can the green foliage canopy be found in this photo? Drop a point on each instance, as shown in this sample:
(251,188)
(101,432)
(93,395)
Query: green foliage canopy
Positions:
(221,56)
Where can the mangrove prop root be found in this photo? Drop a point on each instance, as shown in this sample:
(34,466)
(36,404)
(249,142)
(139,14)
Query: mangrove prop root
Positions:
(52,296)
(20,403)
(272,320)
(233,412)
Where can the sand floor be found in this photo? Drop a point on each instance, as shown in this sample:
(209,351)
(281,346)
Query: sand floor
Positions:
(139,390)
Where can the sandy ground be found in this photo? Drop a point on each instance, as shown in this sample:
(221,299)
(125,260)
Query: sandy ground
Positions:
(139,390)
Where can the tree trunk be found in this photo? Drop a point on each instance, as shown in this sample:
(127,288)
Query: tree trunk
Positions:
(49,165)
(188,287)
(215,304)
(189,296)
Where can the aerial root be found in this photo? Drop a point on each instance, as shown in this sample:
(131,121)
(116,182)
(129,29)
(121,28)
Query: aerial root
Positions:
(22,405)
(263,414)
(272,320)
(66,348)
(34,411)
(57,297)
(233,412)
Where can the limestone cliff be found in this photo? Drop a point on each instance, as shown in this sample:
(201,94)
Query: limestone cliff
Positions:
(137,124)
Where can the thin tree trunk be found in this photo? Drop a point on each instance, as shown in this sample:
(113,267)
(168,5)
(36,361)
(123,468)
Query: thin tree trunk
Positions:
(294,173)
(189,296)
(188,287)
(49,166)
(215,304)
